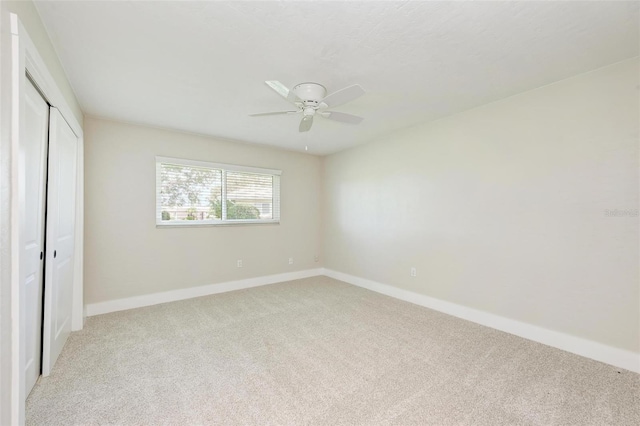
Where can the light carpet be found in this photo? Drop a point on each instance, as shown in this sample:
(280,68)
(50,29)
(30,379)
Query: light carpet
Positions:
(319,352)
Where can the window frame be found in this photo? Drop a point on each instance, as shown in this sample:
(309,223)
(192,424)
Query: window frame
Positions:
(275,207)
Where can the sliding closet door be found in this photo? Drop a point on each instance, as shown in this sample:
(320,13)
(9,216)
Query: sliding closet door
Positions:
(59,268)
(34,154)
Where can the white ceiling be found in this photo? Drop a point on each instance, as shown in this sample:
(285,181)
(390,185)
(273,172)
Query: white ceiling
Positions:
(201,66)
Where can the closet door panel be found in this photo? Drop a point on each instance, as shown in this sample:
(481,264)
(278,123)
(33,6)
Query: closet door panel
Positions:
(34,157)
(61,207)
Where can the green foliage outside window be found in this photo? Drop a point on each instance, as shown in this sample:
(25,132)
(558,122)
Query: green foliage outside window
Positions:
(235,211)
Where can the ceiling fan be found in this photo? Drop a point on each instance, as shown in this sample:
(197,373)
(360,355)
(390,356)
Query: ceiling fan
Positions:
(311,99)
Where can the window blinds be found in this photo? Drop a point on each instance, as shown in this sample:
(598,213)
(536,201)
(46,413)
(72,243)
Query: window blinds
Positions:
(199,193)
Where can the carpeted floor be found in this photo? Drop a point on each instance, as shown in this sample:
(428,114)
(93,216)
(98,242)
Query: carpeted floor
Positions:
(319,352)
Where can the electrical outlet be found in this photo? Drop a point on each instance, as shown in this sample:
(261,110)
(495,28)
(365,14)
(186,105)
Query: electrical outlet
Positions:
(316,258)
(291,261)
(239,263)
(414,273)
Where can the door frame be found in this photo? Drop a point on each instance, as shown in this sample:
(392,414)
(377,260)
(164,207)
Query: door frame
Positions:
(19,56)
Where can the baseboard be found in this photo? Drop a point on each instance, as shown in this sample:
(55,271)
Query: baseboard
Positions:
(579,346)
(191,292)
(576,345)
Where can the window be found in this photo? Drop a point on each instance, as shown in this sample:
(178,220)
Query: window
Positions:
(200,193)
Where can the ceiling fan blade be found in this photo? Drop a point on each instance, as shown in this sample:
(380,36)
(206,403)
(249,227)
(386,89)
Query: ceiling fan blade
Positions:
(305,124)
(292,97)
(273,113)
(278,87)
(343,117)
(343,96)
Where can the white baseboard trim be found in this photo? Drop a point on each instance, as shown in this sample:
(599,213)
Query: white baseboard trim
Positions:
(576,345)
(191,292)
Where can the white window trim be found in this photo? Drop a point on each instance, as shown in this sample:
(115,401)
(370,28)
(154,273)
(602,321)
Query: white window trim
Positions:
(225,168)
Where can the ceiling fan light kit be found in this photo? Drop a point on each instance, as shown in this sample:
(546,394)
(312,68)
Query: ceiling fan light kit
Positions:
(311,98)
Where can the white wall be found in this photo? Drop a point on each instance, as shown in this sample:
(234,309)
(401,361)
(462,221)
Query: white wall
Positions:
(126,255)
(502,208)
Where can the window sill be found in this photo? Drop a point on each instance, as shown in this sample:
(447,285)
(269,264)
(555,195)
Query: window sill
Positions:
(205,224)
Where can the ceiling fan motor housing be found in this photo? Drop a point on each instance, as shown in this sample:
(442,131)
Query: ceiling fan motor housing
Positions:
(310,92)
